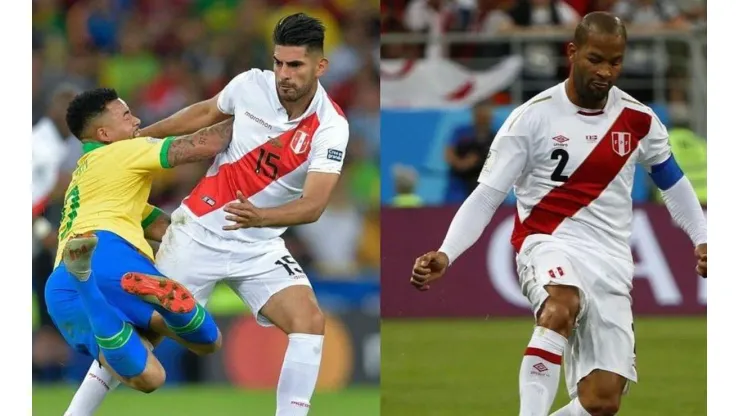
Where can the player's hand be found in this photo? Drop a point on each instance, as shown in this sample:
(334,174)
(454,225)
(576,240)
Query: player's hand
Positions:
(244,214)
(428,268)
(701,259)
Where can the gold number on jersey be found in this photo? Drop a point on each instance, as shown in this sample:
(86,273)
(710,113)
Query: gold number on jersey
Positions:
(69,211)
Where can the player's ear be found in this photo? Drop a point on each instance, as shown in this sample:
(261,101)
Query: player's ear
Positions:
(322,66)
(102,135)
(571,52)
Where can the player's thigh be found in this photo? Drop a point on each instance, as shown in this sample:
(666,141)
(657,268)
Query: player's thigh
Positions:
(547,270)
(190,263)
(68,313)
(278,292)
(605,338)
(113,258)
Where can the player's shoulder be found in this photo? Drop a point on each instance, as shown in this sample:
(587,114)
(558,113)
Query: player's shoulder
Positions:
(646,116)
(254,77)
(330,114)
(533,112)
(625,100)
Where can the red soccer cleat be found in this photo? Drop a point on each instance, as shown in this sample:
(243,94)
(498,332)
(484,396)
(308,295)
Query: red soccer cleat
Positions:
(161,291)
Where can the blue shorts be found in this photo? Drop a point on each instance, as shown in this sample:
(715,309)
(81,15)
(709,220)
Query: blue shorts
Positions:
(112,258)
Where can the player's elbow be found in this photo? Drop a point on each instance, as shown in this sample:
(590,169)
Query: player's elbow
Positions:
(314,212)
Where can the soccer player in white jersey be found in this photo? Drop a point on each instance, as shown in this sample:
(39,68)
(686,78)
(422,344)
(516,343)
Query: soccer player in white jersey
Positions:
(283,162)
(570,154)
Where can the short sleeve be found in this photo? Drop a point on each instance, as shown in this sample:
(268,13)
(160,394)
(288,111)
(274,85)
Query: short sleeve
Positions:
(508,155)
(227,96)
(328,148)
(144,154)
(149,214)
(656,147)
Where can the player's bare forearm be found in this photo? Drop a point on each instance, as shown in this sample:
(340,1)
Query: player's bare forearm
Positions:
(201,145)
(155,231)
(301,211)
(186,121)
(316,193)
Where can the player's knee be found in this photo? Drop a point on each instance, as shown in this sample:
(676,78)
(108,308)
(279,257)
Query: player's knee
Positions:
(150,380)
(209,348)
(601,405)
(556,315)
(309,323)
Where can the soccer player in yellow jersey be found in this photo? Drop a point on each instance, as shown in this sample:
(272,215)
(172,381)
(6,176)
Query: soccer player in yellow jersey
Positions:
(105,290)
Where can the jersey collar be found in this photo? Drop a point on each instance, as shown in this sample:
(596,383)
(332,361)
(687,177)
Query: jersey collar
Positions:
(584,111)
(88,147)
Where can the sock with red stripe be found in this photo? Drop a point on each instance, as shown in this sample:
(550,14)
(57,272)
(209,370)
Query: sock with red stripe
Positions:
(539,374)
(574,408)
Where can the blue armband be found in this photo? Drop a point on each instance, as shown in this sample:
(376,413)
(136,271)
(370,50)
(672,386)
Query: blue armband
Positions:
(666,174)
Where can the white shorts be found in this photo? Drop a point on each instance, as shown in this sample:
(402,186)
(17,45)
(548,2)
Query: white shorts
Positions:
(199,258)
(604,337)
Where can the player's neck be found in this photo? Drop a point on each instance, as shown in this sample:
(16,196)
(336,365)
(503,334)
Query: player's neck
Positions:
(298,107)
(570,91)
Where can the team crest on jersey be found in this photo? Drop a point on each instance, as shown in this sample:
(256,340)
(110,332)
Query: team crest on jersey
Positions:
(299,143)
(621,143)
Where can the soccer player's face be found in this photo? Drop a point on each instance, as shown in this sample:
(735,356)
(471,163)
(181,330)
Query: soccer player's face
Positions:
(119,123)
(296,71)
(596,65)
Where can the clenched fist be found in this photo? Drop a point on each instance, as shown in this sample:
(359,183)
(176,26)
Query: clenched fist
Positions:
(428,268)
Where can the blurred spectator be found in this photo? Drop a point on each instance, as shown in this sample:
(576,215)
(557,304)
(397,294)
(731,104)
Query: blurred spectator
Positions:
(404,180)
(466,153)
(333,240)
(646,59)
(54,154)
(434,17)
(542,60)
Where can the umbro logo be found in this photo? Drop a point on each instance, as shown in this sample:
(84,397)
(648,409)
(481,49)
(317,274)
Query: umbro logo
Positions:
(560,141)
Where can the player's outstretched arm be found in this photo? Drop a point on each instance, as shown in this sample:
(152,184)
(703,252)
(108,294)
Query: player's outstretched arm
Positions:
(316,193)
(201,145)
(188,120)
(466,228)
(683,205)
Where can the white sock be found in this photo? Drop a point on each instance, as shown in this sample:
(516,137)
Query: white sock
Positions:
(299,374)
(539,374)
(574,408)
(97,383)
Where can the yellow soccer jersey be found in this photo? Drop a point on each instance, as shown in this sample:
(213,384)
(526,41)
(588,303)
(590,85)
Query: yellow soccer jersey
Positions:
(110,188)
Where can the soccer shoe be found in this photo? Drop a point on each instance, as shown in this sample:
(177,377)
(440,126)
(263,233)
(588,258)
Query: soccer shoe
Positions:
(77,254)
(161,291)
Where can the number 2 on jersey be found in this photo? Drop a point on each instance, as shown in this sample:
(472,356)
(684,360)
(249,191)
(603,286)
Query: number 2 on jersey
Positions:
(268,161)
(563,156)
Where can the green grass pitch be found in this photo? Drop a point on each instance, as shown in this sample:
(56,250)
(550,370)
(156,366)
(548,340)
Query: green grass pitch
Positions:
(471,367)
(197,401)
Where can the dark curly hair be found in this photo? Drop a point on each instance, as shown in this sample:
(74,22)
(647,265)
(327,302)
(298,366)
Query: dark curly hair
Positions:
(87,106)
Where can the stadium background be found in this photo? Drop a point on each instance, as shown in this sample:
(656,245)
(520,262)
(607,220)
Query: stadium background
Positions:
(457,348)
(162,55)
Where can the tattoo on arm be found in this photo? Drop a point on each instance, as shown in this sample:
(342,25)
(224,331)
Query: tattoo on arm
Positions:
(201,145)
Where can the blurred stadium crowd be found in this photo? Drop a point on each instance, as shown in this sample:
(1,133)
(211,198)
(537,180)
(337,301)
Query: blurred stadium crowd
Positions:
(163,55)
(544,65)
